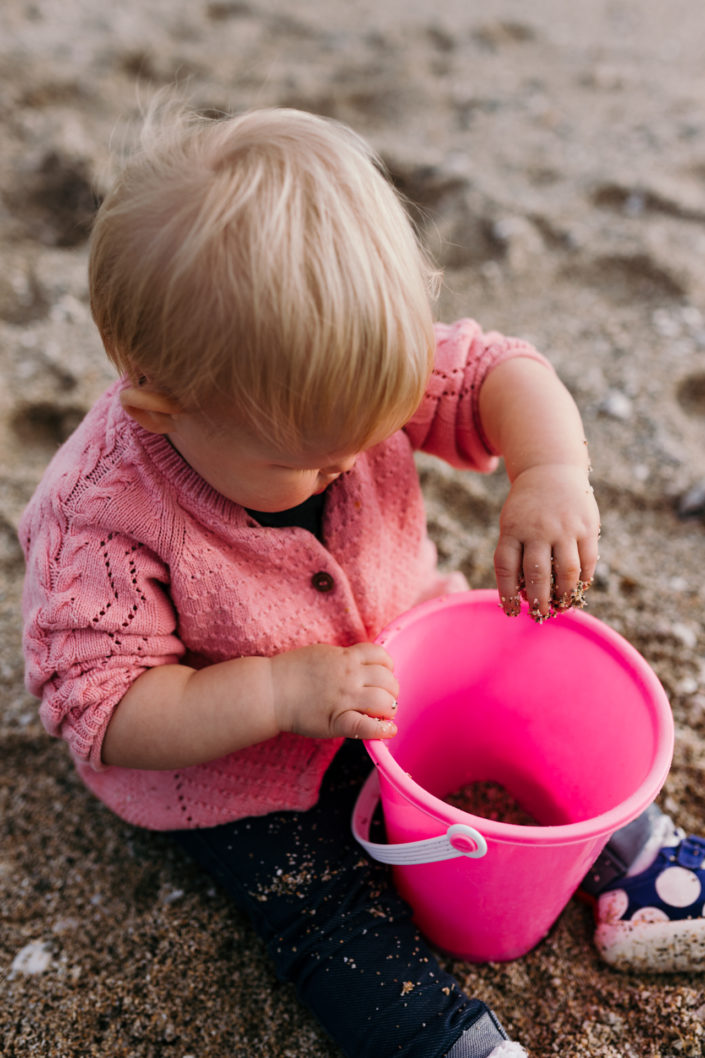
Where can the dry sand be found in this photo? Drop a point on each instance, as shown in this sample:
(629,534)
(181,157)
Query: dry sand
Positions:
(558,153)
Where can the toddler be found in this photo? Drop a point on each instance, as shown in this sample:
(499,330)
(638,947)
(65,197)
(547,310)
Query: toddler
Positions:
(212,553)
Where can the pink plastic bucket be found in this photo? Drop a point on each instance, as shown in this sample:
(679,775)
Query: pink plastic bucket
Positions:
(566,716)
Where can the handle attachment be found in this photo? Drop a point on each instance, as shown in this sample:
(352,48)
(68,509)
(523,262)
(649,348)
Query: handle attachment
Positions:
(458,840)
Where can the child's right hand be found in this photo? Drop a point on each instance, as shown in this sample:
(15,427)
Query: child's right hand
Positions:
(326,691)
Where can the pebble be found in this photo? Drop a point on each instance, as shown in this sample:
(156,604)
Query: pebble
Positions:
(692,502)
(616,405)
(519,240)
(687,634)
(34,958)
(171,896)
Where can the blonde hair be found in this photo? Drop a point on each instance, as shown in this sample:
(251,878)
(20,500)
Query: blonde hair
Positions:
(264,265)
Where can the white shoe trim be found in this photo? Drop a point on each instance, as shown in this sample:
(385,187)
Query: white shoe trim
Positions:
(659,947)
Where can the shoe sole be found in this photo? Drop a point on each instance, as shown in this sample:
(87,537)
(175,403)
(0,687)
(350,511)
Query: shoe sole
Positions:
(654,947)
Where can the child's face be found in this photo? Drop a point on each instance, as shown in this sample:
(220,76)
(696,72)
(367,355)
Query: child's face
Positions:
(254,473)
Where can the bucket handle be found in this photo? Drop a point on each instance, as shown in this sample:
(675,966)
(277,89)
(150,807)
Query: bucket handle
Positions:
(458,840)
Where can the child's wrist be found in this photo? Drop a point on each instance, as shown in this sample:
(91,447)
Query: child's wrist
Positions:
(551,466)
(279,695)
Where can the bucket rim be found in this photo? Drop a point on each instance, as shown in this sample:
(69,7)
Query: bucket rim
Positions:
(604,824)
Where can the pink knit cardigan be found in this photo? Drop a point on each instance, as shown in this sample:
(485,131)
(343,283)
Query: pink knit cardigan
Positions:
(134,561)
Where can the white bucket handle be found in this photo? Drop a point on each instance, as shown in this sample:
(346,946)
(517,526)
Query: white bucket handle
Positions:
(458,840)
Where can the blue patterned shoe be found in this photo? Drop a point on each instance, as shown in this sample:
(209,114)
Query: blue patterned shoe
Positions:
(654,920)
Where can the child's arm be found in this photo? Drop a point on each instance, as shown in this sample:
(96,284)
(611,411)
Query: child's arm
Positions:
(174,716)
(549,523)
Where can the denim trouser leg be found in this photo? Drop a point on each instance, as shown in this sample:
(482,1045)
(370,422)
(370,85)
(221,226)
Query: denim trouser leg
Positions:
(334,925)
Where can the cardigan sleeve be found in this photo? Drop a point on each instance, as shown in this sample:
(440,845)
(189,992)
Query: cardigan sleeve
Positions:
(447,422)
(96,615)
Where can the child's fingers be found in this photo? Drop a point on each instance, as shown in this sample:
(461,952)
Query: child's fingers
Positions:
(587,550)
(375,677)
(352,724)
(376,702)
(507,567)
(537,567)
(373,654)
(566,573)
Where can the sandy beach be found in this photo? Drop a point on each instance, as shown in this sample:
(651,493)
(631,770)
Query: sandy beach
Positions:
(554,154)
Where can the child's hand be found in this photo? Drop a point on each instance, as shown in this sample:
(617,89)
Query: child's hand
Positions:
(547,550)
(327,691)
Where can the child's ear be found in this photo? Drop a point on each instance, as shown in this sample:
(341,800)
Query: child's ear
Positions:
(153,411)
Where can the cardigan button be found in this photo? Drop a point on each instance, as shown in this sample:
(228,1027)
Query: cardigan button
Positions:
(322,581)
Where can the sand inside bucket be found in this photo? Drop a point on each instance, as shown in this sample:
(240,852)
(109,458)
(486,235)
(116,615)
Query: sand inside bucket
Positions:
(490,800)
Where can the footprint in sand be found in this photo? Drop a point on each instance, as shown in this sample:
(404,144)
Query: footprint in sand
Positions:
(624,278)
(690,394)
(222,11)
(455,218)
(46,425)
(56,202)
(680,197)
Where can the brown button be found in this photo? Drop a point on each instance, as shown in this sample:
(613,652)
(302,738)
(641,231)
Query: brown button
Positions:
(322,581)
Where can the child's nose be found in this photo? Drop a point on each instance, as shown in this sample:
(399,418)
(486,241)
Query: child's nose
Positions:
(340,466)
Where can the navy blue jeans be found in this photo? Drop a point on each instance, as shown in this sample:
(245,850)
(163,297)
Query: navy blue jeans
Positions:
(334,925)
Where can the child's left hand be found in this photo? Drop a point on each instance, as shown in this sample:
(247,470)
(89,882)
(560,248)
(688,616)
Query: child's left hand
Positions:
(549,525)
(547,549)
